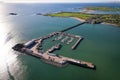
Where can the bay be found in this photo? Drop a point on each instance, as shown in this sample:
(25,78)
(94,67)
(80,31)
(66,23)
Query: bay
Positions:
(100,46)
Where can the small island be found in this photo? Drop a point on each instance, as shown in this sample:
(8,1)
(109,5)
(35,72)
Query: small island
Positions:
(93,18)
(39,14)
(12,13)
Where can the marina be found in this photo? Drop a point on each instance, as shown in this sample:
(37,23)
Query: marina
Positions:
(32,48)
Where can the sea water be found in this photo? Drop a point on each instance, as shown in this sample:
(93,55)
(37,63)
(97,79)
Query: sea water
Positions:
(101,44)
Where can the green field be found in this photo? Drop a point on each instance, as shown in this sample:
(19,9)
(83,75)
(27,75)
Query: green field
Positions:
(71,14)
(108,18)
(103,8)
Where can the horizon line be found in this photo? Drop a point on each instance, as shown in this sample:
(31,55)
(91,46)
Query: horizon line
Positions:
(54,2)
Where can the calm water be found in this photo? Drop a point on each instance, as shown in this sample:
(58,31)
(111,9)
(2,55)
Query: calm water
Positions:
(101,44)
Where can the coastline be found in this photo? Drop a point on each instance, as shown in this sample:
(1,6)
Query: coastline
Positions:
(79,19)
(110,24)
(82,17)
(87,11)
(82,20)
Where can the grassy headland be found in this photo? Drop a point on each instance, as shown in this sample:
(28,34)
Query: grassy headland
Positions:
(103,8)
(71,14)
(107,18)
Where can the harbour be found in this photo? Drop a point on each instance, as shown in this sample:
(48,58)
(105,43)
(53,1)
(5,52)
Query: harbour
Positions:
(32,48)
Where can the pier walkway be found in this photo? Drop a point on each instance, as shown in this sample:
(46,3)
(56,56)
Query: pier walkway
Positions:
(72,27)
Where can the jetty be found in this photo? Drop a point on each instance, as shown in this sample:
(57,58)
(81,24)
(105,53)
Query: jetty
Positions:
(76,44)
(73,27)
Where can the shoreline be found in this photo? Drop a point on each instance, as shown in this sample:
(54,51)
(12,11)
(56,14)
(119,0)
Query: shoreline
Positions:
(110,24)
(87,11)
(79,15)
(79,19)
(82,20)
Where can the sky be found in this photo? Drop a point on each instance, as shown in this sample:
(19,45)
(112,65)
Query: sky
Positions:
(53,1)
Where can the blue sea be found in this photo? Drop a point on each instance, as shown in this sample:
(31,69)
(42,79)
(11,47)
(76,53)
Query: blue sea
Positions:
(101,44)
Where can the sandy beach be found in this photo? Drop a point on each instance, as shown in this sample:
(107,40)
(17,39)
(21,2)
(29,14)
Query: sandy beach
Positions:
(109,24)
(87,11)
(79,19)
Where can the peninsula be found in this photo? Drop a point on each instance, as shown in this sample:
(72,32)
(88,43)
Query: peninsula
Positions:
(94,18)
(99,8)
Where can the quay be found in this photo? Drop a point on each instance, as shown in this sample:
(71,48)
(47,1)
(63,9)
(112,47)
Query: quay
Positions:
(76,44)
(81,63)
(55,59)
(32,48)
